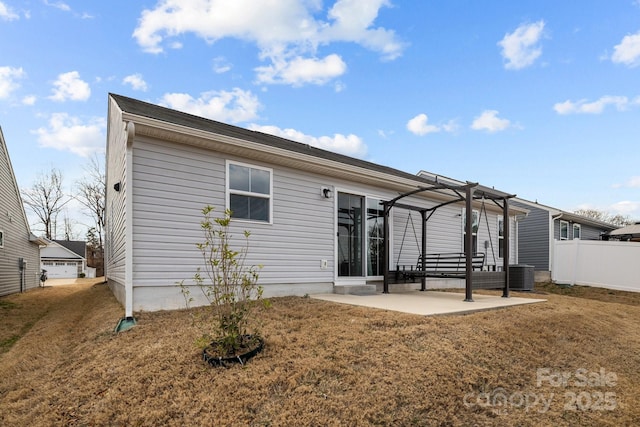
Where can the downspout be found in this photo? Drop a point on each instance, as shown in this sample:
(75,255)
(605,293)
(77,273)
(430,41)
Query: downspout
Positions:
(128,320)
(552,244)
(128,208)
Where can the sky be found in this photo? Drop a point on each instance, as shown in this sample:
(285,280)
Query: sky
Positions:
(535,98)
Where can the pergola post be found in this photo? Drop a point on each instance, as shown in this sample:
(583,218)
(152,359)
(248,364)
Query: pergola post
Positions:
(468,239)
(385,255)
(423,255)
(505,246)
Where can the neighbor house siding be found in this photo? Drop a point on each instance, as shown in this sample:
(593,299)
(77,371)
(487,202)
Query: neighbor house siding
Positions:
(588,232)
(16,232)
(533,237)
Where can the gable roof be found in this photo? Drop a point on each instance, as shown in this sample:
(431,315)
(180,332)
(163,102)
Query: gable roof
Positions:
(78,247)
(54,249)
(332,163)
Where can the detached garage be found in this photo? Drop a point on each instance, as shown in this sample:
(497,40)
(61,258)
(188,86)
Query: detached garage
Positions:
(64,259)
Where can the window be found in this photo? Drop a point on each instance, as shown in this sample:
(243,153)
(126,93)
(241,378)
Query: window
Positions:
(375,234)
(576,231)
(249,190)
(475,223)
(1,239)
(564,230)
(500,237)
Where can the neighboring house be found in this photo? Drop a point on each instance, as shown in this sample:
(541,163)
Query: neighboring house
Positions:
(64,259)
(629,233)
(543,225)
(19,249)
(315,217)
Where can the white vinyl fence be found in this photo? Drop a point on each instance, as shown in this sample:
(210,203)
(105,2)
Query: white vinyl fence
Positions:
(605,264)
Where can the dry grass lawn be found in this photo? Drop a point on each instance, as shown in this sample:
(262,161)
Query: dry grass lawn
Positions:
(324,364)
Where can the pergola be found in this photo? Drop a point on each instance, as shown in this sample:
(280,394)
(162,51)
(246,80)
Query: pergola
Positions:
(466,193)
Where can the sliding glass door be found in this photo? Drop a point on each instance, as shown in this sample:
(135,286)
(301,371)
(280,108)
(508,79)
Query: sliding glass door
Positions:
(360,236)
(350,235)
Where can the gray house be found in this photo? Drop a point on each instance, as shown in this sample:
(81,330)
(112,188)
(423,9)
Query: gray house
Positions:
(543,225)
(316,217)
(19,249)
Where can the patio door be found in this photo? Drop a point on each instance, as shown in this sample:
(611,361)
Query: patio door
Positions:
(350,235)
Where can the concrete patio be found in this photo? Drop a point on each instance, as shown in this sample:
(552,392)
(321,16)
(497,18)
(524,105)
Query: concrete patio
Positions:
(428,303)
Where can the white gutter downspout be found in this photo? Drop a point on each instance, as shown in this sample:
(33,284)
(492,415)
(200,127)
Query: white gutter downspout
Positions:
(128,207)
(552,245)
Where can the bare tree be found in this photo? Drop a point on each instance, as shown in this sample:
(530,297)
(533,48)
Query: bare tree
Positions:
(46,199)
(617,220)
(91,193)
(69,233)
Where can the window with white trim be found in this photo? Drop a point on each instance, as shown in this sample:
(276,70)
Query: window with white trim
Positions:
(500,237)
(475,224)
(249,192)
(564,230)
(577,231)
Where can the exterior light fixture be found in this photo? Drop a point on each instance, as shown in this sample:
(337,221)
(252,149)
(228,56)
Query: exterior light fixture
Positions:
(326,192)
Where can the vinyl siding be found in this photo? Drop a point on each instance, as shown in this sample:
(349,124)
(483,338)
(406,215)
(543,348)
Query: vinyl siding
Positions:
(588,232)
(533,237)
(115,255)
(16,233)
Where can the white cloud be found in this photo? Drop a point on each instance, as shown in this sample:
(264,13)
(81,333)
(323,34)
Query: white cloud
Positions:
(628,51)
(29,100)
(70,86)
(350,145)
(136,81)
(596,107)
(298,71)
(221,65)
(6,13)
(520,48)
(633,182)
(8,80)
(490,122)
(58,5)
(233,106)
(627,207)
(70,133)
(418,125)
(286,31)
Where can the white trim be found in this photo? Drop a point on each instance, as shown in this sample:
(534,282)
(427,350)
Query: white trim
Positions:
(464,213)
(560,230)
(499,237)
(573,231)
(229,191)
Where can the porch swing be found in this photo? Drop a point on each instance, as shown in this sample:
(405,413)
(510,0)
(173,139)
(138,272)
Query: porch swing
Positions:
(444,265)
(462,265)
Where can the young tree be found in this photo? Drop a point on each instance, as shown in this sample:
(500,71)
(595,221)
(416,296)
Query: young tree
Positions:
(91,193)
(46,199)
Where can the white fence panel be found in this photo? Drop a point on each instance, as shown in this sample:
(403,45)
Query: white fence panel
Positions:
(605,264)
